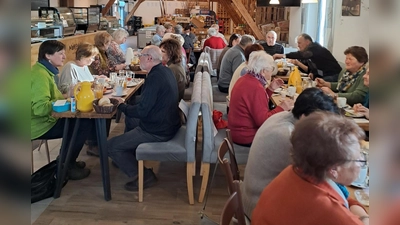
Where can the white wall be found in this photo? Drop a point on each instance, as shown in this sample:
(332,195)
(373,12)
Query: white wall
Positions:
(294,25)
(350,30)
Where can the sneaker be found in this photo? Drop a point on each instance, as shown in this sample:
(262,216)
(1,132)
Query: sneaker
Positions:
(150,180)
(93,151)
(80,164)
(76,173)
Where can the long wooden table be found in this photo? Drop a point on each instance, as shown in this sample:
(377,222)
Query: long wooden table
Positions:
(100,121)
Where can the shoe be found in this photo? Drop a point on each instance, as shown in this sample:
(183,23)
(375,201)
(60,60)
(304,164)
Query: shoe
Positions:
(93,151)
(80,164)
(150,180)
(76,173)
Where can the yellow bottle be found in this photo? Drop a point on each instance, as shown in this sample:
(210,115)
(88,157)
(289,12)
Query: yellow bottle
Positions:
(84,98)
(295,80)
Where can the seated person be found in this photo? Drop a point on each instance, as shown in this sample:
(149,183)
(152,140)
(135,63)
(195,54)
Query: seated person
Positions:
(350,82)
(44,92)
(155,118)
(270,46)
(213,41)
(77,70)
(307,191)
(248,108)
(232,59)
(101,64)
(233,41)
(188,43)
(216,27)
(265,163)
(157,38)
(114,52)
(320,56)
(364,108)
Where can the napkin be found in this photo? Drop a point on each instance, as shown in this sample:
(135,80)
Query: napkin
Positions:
(128,56)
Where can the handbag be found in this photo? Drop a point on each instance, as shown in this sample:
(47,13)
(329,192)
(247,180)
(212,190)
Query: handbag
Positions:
(43,182)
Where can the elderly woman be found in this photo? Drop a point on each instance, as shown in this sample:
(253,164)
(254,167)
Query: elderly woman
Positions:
(364,108)
(233,40)
(101,64)
(44,93)
(157,38)
(350,84)
(214,41)
(326,152)
(248,108)
(172,56)
(114,51)
(77,70)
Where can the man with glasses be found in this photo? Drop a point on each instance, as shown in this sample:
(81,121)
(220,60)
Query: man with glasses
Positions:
(154,118)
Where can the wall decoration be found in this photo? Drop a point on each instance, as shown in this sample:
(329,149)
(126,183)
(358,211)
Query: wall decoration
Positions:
(351,7)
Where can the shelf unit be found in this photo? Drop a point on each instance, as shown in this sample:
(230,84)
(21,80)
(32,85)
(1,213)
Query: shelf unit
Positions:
(227,21)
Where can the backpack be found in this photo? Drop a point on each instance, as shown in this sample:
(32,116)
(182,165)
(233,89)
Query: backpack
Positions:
(43,182)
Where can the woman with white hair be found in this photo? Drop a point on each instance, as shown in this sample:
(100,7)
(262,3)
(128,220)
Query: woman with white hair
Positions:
(114,52)
(214,41)
(248,108)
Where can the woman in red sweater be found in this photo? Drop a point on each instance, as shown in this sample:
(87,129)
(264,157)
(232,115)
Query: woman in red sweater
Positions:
(326,155)
(214,41)
(248,107)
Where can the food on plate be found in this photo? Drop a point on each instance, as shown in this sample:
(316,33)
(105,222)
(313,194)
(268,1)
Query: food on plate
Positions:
(103,101)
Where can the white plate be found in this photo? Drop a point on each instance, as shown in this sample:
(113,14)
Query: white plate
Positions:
(278,90)
(131,84)
(351,113)
(123,95)
(359,185)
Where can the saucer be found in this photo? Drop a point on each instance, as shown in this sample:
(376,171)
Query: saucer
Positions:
(359,185)
(123,95)
(131,84)
(351,113)
(278,90)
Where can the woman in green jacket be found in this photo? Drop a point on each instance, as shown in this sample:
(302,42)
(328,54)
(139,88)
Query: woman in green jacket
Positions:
(350,84)
(44,92)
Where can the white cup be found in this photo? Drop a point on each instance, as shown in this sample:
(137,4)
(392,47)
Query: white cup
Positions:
(119,90)
(341,102)
(291,90)
(283,94)
(362,176)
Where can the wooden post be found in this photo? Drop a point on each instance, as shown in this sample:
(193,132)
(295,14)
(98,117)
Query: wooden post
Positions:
(107,7)
(133,10)
(249,20)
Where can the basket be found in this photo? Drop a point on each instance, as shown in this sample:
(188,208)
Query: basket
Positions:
(105,109)
(134,67)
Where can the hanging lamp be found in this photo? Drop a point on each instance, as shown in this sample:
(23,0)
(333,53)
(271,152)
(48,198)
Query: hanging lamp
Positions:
(309,1)
(274,2)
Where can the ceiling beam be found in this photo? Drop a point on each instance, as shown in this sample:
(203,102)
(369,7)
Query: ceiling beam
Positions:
(249,20)
(107,7)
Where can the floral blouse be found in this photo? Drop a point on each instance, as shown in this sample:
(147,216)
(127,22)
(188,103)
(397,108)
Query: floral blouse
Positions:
(101,65)
(115,54)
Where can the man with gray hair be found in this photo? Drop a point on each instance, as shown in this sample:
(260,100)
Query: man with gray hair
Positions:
(155,118)
(157,38)
(270,46)
(232,59)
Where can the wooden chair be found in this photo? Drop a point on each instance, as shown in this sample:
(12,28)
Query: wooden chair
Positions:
(233,207)
(35,146)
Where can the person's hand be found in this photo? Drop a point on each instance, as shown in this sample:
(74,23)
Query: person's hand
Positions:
(287,104)
(293,61)
(358,108)
(276,83)
(278,56)
(120,101)
(120,67)
(322,83)
(328,91)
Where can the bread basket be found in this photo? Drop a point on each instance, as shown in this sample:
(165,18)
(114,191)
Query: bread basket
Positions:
(134,67)
(105,109)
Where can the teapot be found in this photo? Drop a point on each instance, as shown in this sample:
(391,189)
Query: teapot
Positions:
(84,98)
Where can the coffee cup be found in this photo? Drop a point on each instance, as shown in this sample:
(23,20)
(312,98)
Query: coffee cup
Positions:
(362,176)
(119,90)
(341,102)
(291,90)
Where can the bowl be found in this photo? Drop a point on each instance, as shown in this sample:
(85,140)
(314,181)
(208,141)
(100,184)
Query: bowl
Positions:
(283,72)
(61,108)
(105,109)
(134,67)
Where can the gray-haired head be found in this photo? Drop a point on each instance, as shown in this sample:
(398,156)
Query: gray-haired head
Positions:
(259,61)
(160,29)
(212,32)
(119,34)
(247,40)
(178,29)
(154,52)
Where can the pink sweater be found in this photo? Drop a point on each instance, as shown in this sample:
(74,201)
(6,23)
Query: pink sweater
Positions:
(248,109)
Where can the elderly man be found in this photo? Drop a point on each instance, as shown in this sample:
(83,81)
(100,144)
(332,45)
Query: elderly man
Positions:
(155,118)
(270,46)
(269,152)
(157,38)
(312,54)
(231,61)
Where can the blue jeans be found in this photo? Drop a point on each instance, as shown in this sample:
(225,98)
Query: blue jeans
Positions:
(122,148)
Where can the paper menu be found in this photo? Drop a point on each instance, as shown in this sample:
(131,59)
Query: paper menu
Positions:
(60,102)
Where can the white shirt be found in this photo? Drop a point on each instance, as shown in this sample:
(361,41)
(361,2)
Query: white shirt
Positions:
(72,74)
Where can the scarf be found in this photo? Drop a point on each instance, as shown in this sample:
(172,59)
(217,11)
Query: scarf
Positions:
(348,79)
(51,68)
(259,77)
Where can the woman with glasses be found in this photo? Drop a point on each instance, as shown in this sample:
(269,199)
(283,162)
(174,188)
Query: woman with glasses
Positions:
(77,70)
(326,152)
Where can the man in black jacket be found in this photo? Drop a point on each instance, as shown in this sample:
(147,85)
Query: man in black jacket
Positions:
(155,118)
(327,66)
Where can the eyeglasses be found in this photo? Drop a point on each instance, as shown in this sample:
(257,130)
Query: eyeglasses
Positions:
(364,161)
(143,54)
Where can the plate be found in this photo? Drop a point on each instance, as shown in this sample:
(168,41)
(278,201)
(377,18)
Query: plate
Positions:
(107,92)
(362,196)
(131,84)
(278,90)
(123,95)
(351,113)
(359,185)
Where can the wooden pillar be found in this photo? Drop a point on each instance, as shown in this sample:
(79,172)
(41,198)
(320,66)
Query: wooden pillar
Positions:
(66,3)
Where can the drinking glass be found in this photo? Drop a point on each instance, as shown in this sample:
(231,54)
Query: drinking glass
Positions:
(98,91)
(121,73)
(113,76)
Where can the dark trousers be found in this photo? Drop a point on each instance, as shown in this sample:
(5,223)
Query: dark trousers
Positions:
(84,130)
(122,148)
(223,89)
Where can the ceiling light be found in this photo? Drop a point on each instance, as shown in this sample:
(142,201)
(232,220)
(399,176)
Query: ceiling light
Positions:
(274,2)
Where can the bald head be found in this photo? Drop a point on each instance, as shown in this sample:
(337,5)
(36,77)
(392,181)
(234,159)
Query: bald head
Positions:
(151,56)
(271,38)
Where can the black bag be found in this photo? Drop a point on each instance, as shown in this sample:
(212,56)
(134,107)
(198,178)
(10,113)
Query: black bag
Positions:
(43,182)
